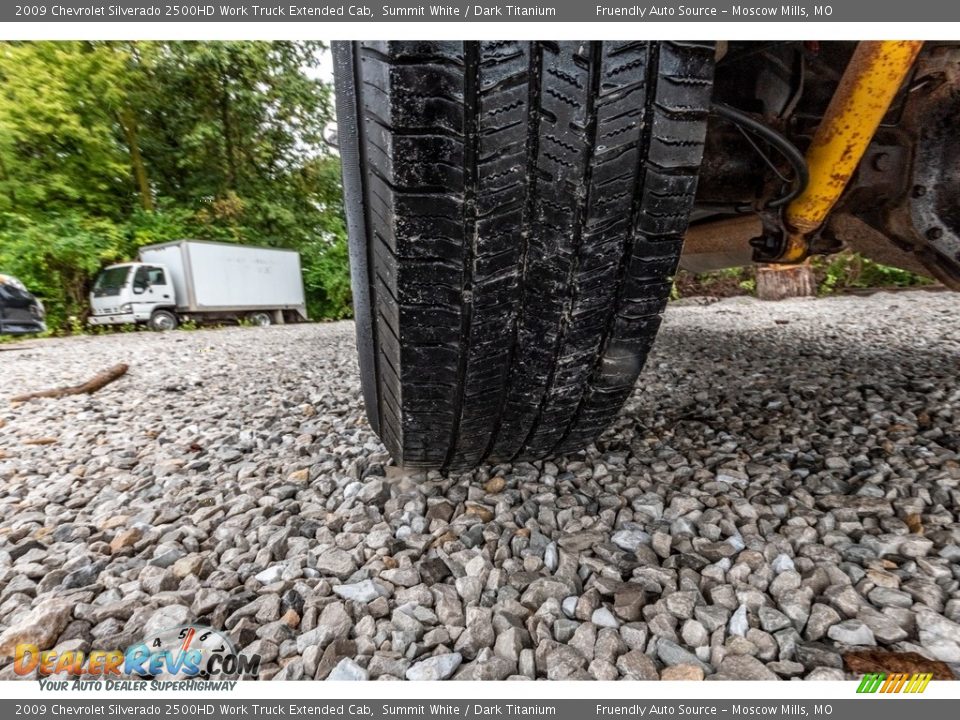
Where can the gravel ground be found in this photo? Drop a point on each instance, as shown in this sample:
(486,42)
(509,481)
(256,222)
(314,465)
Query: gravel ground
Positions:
(784,487)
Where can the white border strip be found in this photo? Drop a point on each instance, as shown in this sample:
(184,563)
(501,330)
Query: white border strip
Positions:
(493,691)
(479,30)
(370,692)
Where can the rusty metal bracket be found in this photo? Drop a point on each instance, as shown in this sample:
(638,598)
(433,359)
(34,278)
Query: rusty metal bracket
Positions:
(935,193)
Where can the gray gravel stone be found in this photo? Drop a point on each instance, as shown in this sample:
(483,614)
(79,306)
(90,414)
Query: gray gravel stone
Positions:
(786,668)
(694,634)
(851,632)
(527,664)
(712,617)
(604,618)
(543,588)
(744,667)
(889,597)
(630,540)
(680,604)
(337,563)
(41,626)
(510,643)
(886,629)
(739,624)
(634,635)
(785,521)
(347,669)
(270,575)
(363,591)
(672,654)
(437,667)
(940,636)
(636,665)
(564,663)
(772,619)
(822,618)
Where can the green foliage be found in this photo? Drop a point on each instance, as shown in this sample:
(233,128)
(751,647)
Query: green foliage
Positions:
(164,224)
(850,270)
(76,325)
(109,146)
(58,150)
(326,276)
(834,274)
(55,258)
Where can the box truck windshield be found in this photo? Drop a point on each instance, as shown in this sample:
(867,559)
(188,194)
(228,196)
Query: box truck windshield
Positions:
(111,281)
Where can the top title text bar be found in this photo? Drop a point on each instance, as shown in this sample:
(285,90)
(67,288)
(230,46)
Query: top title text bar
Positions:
(406,11)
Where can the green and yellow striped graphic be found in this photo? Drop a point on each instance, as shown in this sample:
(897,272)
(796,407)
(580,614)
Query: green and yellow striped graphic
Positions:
(894,683)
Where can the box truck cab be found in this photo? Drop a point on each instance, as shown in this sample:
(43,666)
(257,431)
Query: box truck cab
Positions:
(133,293)
(202,281)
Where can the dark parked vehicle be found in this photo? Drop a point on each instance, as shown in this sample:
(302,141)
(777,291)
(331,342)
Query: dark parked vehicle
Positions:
(20,312)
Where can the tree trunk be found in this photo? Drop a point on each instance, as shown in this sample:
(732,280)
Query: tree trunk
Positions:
(778,282)
(11,193)
(129,124)
(225,119)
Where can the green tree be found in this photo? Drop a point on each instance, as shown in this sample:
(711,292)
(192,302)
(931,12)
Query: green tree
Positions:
(57,135)
(106,147)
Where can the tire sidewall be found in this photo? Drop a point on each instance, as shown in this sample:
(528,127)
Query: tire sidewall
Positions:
(348,89)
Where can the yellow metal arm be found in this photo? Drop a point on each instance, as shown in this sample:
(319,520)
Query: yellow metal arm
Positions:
(869,84)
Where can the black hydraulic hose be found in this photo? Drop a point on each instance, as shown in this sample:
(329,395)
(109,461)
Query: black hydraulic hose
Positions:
(781,143)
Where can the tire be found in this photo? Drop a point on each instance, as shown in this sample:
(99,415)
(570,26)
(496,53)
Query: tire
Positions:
(260,319)
(163,320)
(516,212)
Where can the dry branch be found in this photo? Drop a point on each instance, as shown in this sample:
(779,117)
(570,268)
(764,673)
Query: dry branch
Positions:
(90,386)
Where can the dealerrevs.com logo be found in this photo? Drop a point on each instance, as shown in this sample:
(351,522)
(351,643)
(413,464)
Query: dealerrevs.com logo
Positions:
(174,658)
(894,683)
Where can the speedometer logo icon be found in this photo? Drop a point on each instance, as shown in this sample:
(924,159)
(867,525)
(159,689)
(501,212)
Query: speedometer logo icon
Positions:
(189,651)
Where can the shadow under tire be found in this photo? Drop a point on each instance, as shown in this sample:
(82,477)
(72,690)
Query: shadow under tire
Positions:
(516,213)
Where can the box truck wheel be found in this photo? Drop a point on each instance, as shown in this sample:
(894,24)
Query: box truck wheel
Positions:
(260,319)
(163,320)
(516,212)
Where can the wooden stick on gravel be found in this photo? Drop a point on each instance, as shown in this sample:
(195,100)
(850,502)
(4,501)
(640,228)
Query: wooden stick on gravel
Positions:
(90,386)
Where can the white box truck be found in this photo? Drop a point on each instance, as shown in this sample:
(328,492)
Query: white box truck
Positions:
(202,281)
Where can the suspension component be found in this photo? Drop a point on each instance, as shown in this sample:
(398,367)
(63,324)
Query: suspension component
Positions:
(868,86)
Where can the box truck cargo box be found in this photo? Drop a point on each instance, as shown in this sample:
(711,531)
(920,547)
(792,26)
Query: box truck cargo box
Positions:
(203,281)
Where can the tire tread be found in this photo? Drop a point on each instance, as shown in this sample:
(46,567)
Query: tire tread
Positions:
(526,204)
